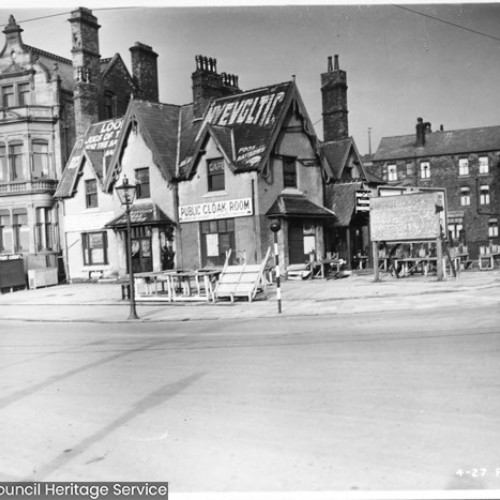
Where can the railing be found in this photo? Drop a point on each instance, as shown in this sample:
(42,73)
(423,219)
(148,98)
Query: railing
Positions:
(28,186)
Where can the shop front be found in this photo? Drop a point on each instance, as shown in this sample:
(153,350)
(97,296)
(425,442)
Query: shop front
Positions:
(152,239)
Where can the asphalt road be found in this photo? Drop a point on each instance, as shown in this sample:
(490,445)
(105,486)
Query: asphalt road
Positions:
(398,401)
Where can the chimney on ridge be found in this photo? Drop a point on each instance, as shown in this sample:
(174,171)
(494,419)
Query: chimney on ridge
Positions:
(334,99)
(208,84)
(145,71)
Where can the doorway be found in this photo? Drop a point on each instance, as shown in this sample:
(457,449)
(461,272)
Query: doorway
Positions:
(142,259)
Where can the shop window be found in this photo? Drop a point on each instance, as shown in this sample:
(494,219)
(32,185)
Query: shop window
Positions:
(392,172)
(23,94)
(463,166)
(4,169)
(91,193)
(20,230)
(425,170)
(409,169)
(465,196)
(493,227)
(484,165)
(8,96)
(289,172)
(44,229)
(40,160)
(217,237)
(95,248)
(484,195)
(142,183)
(5,232)
(16,162)
(216,180)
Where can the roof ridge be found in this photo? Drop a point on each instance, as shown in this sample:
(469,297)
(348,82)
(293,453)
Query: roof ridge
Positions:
(258,89)
(46,53)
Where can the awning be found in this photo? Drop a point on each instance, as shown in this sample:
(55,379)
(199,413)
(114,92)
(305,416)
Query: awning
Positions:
(298,206)
(141,215)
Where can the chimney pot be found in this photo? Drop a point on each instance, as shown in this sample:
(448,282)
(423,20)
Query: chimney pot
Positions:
(336,67)
(330,65)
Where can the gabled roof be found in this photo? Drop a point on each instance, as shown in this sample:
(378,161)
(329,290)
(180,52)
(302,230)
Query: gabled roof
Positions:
(470,140)
(158,124)
(344,201)
(100,142)
(337,154)
(246,126)
(295,205)
(108,63)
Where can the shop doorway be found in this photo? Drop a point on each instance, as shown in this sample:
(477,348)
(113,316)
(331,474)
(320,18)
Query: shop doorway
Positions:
(296,243)
(142,259)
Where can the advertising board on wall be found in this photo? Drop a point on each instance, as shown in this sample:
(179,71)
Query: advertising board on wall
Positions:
(224,209)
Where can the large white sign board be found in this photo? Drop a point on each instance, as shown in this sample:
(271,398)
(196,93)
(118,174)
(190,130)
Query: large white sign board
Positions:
(406,217)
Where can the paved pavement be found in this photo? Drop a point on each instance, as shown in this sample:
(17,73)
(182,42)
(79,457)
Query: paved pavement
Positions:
(358,293)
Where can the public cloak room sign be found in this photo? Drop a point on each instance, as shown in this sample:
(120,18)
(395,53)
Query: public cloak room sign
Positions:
(406,217)
(224,209)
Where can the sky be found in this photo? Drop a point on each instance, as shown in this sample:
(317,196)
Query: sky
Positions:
(440,62)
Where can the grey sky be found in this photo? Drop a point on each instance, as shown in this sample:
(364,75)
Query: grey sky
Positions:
(400,65)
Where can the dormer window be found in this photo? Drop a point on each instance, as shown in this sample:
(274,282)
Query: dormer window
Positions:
(289,172)
(142,183)
(216,178)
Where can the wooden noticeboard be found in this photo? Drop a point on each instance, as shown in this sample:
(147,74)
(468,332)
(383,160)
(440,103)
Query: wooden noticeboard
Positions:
(411,217)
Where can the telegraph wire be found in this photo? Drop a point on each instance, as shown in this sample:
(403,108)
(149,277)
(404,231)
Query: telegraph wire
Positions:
(448,22)
(66,13)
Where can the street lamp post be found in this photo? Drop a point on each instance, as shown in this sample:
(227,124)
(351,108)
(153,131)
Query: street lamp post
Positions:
(275,227)
(126,193)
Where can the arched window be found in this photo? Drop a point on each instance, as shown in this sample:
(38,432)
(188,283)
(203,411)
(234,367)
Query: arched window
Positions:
(16,169)
(40,159)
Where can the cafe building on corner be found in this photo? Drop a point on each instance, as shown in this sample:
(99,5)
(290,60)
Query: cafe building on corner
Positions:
(255,157)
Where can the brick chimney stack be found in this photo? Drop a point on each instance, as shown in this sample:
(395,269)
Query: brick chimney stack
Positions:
(422,129)
(208,84)
(334,97)
(145,71)
(86,67)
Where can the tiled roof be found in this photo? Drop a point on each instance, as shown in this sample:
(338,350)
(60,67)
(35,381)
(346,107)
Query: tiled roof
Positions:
(344,201)
(68,179)
(159,125)
(297,206)
(145,214)
(440,143)
(336,152)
